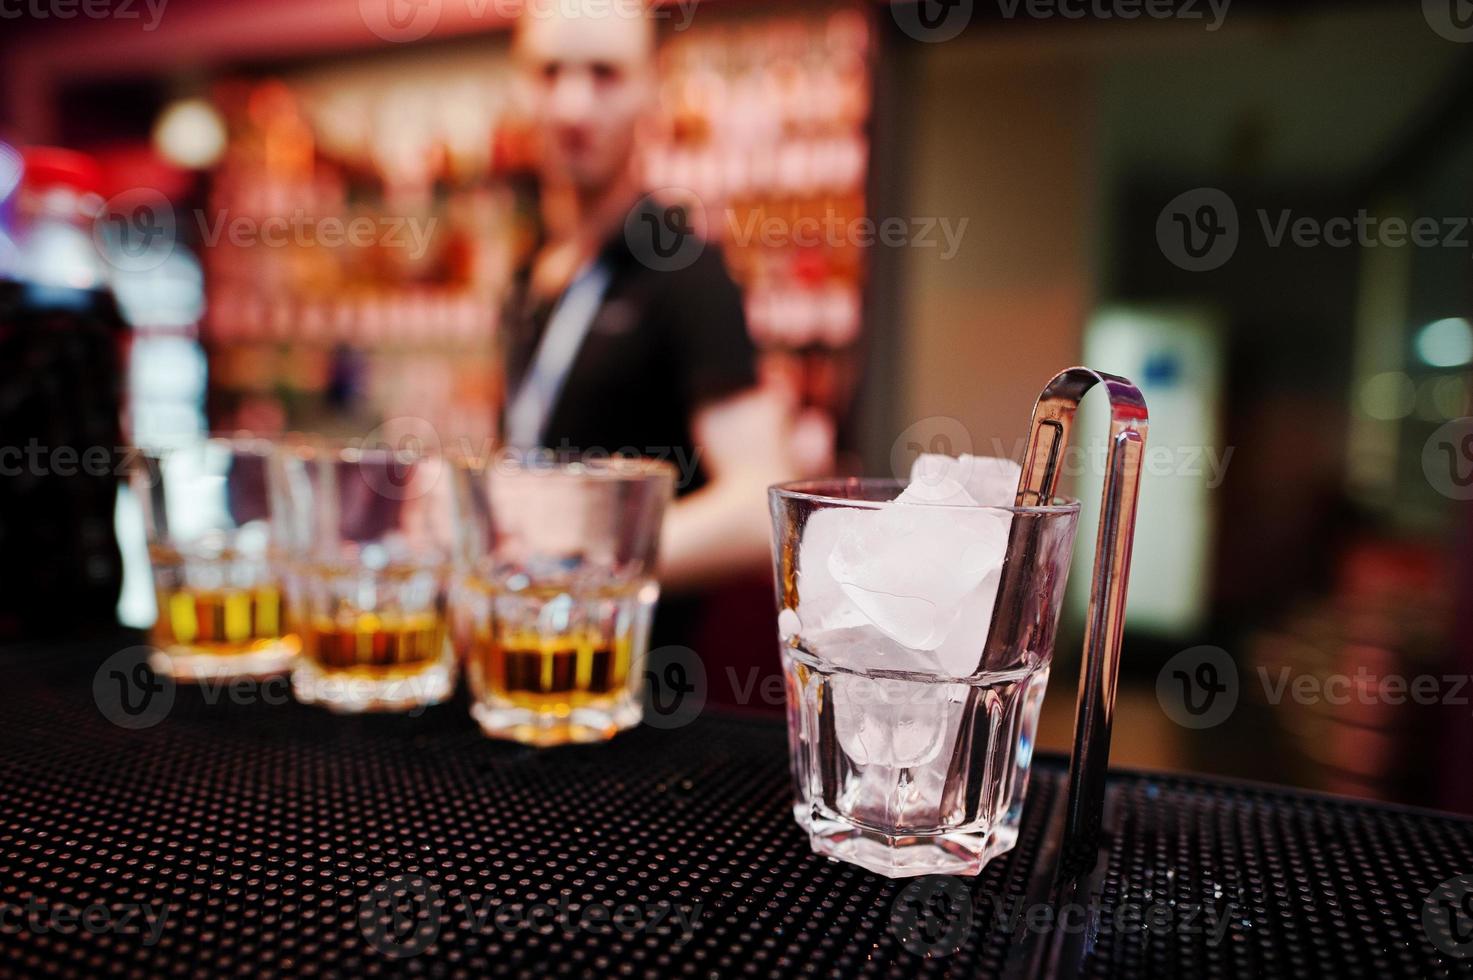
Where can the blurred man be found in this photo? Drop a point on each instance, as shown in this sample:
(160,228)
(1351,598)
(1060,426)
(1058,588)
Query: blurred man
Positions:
(608,352)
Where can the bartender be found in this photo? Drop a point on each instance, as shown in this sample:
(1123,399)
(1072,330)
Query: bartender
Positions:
(612,347)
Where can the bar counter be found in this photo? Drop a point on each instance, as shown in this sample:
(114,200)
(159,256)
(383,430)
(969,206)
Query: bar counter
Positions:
(230,831)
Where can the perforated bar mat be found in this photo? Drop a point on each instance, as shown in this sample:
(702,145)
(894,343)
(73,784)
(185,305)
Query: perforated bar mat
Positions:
(257,838)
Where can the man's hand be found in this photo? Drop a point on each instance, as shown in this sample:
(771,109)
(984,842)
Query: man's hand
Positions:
(746,444)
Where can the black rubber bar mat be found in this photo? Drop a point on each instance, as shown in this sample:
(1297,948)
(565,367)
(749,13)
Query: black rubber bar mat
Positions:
(230,831)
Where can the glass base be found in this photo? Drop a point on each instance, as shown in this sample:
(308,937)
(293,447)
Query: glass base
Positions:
(187,664)
(366,689)
(911,855)
(543,728)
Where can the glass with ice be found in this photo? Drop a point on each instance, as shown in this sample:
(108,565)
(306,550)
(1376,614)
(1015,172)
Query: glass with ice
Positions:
(911,729)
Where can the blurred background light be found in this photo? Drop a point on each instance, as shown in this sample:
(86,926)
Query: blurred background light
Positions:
(1446,343)
(1388,395)
(190,133)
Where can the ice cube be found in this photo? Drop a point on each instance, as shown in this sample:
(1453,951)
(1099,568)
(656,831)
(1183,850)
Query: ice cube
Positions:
(865,648)
(909,587)
(941,490)
(821,603)
(892,723)
(987,480)
(961,650)
(910,570)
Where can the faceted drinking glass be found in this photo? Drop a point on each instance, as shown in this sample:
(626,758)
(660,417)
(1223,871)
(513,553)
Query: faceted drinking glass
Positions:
(209,508)
(371,551)
(551,613)
(911,730)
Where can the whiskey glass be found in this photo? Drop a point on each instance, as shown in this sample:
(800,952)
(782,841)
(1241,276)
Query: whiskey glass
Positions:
(911,730)
(370,554)
(917,634)
(551,609)
(211,509)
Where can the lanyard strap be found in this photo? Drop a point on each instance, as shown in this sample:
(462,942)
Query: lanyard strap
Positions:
(527,416)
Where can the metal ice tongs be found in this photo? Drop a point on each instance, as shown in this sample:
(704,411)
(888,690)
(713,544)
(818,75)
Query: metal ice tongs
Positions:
(1049,435)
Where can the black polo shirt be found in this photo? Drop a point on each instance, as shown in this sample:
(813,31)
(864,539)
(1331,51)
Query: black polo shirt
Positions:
(667,339)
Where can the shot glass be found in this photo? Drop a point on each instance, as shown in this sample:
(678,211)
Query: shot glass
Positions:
(911,729)
(210,510)
(552,612)
(370,556)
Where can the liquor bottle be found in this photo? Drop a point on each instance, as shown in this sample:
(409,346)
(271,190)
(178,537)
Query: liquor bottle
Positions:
(61,341)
